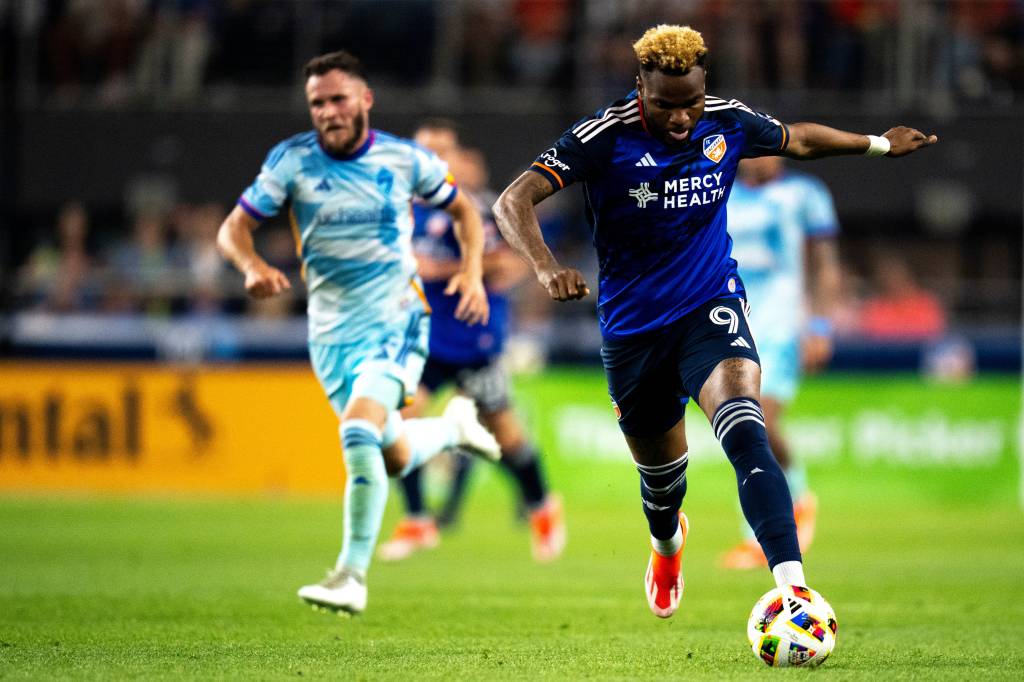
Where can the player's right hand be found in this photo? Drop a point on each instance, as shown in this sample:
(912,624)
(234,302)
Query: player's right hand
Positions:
(264,281)
(473,307)
(563,284)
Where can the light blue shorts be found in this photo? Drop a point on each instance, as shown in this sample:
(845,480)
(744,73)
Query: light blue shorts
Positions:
(385,367)
(780,367)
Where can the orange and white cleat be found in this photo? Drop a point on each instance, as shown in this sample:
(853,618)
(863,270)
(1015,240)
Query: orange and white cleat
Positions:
(805,511)
(547,525)
(745,556)
(663,582)
(411,535)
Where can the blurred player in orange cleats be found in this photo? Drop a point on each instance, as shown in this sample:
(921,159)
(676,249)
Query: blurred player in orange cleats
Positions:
(412,534)
(548,529)
(783,225)
(469,358)
(748,554)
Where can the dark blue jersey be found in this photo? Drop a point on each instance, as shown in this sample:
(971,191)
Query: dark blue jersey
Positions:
(452,340)
(657,213)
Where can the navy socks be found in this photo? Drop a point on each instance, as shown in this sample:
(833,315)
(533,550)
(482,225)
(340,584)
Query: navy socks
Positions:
(662,488)
(764,493)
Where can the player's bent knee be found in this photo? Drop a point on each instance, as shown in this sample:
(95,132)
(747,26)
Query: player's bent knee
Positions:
(366,409)
(658,449)
(396,457)
(395,466)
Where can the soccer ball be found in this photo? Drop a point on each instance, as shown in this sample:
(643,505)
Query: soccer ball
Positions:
(792,626)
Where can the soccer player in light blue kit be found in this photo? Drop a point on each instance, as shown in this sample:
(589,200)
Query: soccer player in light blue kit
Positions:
(783,226)
(657,167)
(348,190)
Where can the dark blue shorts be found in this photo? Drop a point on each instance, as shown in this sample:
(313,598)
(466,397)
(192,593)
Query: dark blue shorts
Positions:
(485,381)
(651,376)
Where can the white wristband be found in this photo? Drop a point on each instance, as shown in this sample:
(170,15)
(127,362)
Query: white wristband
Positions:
(878,146)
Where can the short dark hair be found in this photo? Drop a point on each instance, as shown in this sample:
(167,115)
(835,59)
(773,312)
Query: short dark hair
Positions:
(439,123)
(340,60)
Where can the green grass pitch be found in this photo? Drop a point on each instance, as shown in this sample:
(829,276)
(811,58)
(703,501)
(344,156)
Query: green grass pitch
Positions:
(927,580)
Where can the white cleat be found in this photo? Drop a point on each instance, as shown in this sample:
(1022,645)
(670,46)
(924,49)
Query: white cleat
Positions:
(472,434)
(342,591)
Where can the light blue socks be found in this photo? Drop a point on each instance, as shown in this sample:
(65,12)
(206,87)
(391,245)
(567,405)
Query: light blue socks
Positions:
(366,493)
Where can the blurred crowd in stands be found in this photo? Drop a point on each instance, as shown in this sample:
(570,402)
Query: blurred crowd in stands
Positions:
(166,264)
(156,258)
(122,51)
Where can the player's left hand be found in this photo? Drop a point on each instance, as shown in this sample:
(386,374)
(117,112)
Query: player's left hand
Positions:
(472,308)
(815,352)
(903,140)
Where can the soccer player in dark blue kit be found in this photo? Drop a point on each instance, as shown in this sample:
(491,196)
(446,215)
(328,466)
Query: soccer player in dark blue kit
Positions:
(469,359)
(657,168)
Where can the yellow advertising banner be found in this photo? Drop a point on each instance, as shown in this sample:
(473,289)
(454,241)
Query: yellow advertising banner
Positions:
(139,427)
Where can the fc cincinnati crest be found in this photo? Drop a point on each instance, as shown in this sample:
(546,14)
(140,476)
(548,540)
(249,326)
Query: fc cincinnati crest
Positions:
(714,147)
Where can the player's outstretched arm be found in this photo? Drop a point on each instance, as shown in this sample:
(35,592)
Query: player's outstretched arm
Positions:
(234,241)
(517,221)
(468,282)
(813,141)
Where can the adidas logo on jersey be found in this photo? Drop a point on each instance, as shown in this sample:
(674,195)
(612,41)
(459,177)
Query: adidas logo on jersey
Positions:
(324,186)
(646,160)
(741,342)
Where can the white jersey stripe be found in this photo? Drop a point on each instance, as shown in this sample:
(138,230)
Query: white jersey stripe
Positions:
(731,104)
(599,122)
(622,110)
(591,135)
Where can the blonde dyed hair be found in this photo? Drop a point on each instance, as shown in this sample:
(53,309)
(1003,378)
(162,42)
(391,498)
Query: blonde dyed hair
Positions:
(669,48)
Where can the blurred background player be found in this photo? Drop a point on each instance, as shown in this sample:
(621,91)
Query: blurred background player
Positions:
(469,357)
(783,226)
(348,190)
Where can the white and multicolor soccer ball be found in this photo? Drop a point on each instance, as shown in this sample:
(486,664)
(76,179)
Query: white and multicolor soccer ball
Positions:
(792,626)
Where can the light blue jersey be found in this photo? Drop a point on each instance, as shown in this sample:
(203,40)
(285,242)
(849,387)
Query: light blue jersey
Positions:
(352,217)
(769,225)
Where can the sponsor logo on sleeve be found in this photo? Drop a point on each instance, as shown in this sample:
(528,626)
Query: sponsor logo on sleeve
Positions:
(551,160)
